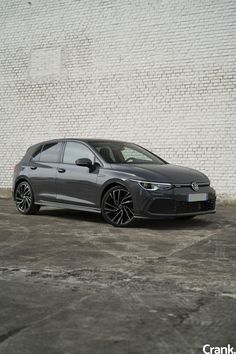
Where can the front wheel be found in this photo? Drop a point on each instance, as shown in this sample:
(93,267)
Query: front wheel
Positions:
(25,200)
(117,207)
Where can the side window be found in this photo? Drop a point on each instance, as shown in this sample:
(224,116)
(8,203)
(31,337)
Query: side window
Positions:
(36,154)
(50,152)
(75,151)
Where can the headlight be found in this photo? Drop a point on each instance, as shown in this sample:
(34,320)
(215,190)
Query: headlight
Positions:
(153,186)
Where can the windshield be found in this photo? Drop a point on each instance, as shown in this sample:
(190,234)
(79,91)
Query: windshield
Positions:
(128,153)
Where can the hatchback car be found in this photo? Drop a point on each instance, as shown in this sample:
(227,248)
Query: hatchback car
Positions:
(123,181)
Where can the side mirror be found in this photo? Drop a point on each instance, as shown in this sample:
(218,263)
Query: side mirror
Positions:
(84,162)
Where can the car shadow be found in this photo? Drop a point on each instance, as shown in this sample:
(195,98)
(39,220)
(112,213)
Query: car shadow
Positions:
(159,224)
(73,214)
(175,224)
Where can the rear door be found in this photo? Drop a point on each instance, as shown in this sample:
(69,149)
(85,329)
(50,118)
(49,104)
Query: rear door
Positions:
(77,184)
(43,170)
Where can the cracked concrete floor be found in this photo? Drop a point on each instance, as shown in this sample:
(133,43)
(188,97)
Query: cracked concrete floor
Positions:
(69,283)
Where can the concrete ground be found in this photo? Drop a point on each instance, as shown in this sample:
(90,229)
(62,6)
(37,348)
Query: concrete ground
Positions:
(71,284)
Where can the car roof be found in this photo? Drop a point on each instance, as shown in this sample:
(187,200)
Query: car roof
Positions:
(87,140)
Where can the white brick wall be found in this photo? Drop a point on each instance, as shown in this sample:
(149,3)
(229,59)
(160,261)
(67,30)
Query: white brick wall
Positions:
(160,73)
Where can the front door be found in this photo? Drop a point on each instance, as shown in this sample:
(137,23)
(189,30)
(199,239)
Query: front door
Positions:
(76,184)
(43,171)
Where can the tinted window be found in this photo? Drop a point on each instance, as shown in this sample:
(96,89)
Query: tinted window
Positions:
(121,152)
(36,154)
(132,154)
(74,151)
(50,152)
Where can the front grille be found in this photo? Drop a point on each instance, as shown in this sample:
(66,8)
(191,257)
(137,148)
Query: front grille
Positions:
(184,185)
(162,206)
(192,207)
(170,206)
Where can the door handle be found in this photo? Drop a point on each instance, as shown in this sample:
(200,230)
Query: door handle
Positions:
(61,170)
(33,167)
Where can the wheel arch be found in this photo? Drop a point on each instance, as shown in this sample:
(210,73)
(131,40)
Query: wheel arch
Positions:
(18,181)
(110,185)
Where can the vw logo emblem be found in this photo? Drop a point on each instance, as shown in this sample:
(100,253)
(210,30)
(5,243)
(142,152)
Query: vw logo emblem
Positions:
(195,186)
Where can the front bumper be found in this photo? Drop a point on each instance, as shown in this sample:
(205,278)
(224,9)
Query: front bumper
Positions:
(171,203)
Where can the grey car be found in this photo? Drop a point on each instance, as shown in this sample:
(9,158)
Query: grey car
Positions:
(121,180)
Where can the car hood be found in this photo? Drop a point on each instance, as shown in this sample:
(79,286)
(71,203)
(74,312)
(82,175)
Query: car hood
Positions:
(163,173)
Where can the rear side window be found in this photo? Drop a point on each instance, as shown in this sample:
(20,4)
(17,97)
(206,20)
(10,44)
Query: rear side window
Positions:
(74,151)
(36,154)
(50,152)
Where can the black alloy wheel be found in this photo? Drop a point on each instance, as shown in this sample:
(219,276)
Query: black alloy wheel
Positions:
(25,200)
(117,207)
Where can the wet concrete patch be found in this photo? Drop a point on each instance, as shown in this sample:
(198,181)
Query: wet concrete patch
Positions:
(70,283)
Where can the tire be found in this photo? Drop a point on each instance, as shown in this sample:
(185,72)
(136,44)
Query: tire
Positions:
(117,207)
(24,199)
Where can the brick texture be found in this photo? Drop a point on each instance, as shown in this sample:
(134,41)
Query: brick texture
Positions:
(159,73)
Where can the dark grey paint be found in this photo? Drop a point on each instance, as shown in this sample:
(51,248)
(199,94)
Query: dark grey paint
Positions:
(77,187)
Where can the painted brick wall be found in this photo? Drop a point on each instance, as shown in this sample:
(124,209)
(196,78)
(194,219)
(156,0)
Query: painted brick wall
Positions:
(160,73)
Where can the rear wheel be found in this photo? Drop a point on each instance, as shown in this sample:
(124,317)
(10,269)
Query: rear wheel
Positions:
(25,200)
(117,207)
